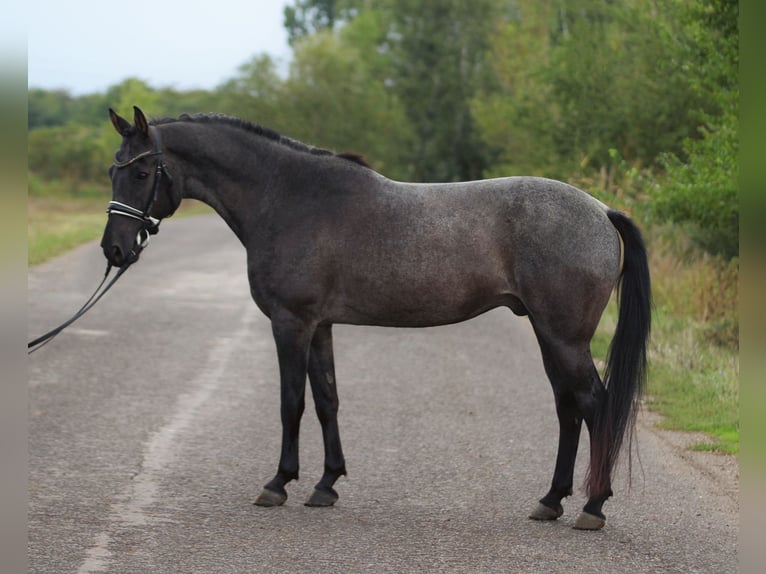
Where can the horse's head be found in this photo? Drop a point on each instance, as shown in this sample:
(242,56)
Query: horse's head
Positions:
(142,190)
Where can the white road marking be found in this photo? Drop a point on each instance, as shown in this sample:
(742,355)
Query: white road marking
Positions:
(88,332)
(161,447)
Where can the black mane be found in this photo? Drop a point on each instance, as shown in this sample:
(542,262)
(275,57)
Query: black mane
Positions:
(239,123)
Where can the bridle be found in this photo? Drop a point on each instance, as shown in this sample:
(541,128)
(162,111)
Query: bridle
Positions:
(151,225)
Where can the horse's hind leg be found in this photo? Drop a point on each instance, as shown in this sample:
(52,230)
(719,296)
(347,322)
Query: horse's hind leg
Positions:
(578,392)
(322,376)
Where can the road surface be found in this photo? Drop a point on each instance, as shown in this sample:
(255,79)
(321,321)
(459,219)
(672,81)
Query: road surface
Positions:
(154,423)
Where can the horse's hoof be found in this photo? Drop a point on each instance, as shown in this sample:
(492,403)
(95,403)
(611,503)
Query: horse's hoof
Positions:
(269,498)
(587,521)
(542,512)
(323,497)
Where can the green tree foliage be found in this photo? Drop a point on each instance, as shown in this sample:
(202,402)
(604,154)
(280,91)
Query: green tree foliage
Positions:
(514,116)
(306,17)
(699,188)
(58,107)
(336,101)
(48,108)
(438,63)
(255,93)
(333,97)
(71,139)
(617,83)
(578,78)
(429,56)
(701,192)
(75,153)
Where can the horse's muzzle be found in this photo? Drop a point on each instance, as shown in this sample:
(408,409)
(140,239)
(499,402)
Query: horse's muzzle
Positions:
(122,253)
(114,255)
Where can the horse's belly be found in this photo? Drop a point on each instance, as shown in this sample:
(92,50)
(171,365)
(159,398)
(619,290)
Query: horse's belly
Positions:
(421,300)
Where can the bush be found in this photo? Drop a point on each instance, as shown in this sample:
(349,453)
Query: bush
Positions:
(702,193)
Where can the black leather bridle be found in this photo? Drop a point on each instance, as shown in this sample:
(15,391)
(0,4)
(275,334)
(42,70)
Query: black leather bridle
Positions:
(151,225)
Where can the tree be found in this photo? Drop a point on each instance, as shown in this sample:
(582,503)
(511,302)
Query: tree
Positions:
(131,92)
(334,97)
(438,63)
(335,100)
(71,139)
(47,108)
(75,153)
(429,57)
(307,17)
(579,78)
(699,189)
(515,114)
(256,93)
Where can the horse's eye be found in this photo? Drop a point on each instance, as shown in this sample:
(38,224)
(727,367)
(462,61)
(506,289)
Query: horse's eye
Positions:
(142,175)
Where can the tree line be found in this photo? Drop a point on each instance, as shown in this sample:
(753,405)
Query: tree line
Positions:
(644,92)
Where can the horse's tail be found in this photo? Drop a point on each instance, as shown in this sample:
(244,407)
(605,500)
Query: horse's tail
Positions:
(625,373)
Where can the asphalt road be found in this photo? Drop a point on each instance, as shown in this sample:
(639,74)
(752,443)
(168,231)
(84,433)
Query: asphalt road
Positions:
(154,423)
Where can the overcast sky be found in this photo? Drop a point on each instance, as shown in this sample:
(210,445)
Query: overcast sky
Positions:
(85,46)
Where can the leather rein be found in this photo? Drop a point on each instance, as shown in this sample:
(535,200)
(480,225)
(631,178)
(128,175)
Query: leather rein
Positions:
(151,225)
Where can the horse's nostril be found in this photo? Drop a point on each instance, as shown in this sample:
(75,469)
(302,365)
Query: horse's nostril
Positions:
(116,255)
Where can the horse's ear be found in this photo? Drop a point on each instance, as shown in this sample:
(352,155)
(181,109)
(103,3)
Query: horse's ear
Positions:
(120,124)
(140,120)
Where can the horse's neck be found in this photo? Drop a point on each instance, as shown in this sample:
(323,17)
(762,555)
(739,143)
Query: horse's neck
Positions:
(227,200)
(217,178)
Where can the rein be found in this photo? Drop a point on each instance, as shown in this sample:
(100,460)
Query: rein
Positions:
(43,340)
(151,225)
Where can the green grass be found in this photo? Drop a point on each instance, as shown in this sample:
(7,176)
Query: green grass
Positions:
(58,224)
(692,381)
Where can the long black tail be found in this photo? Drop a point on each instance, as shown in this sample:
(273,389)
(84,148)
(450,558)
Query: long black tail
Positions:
(625,374)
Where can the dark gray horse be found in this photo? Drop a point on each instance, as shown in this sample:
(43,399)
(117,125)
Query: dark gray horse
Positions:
(329,240)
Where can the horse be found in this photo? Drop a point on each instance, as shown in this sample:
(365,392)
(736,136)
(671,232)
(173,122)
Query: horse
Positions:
(329,240)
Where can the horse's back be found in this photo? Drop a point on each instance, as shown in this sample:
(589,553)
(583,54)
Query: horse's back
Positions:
(528,222)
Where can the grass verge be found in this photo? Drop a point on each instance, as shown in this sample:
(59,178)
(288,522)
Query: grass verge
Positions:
(57,224)
(693,381)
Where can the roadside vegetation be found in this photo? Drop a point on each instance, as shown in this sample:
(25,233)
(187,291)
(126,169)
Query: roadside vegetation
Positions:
(693,377)
(636,102)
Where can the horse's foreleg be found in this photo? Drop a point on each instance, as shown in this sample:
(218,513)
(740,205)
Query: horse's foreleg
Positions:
(322,376)
(570,423)
(293,337)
